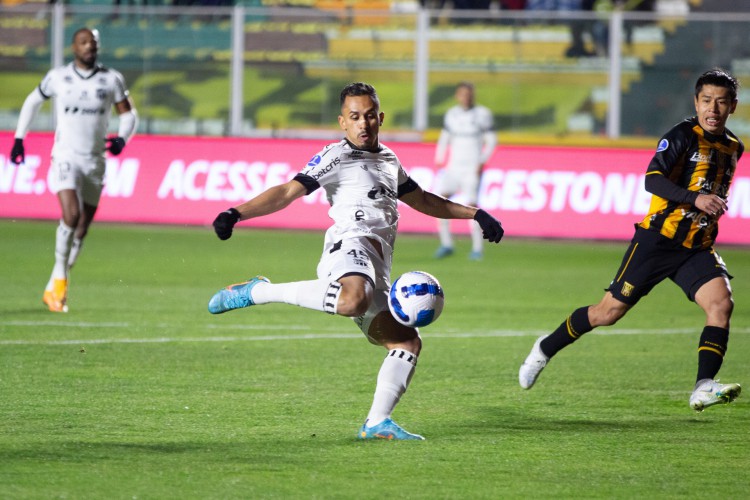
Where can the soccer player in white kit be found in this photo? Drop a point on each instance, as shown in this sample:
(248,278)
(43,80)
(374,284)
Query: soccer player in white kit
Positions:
(466,143)
(84,93)
(363,180)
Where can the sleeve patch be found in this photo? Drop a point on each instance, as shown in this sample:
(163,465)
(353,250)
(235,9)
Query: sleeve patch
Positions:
(315,160)
(663,146)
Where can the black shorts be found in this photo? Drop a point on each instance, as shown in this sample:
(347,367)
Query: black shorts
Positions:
(651,258)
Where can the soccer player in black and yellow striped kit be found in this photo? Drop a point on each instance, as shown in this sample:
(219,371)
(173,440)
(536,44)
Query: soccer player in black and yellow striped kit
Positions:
(689,179)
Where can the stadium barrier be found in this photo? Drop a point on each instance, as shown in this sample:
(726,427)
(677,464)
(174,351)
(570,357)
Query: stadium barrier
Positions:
(556,192)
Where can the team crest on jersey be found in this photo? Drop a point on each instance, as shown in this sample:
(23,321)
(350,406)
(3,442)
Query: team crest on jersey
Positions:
(627,289)
(663,145)
(101,94)
(315,160)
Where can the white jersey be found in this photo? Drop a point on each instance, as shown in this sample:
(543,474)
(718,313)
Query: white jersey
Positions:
(467,137)
(362,189)
(83,106)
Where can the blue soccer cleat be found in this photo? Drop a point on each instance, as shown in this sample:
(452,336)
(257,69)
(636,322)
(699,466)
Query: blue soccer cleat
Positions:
(443,252)
(387,429)
(234,296)
(475,256)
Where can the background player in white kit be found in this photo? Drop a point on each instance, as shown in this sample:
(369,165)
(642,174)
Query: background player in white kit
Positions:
(363,180)
(84,93)
(466,142)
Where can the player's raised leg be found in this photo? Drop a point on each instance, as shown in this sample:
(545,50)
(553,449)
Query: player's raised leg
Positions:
(319,295)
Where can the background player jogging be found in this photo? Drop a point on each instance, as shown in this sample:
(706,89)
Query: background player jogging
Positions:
(467,141)
(689,179)
(363,180)
(84,93)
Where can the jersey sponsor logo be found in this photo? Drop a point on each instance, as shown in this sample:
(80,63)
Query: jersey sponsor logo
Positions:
(315,160)
(663,146)
(323,171)
(698,157)
(83,111)
(378,192)
(701,219)
(717,188)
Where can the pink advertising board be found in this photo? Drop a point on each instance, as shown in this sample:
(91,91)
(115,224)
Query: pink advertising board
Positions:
(559,192)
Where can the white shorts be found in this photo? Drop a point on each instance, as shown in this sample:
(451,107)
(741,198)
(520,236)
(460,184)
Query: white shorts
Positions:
(85,175)
(359,256)
(451,181)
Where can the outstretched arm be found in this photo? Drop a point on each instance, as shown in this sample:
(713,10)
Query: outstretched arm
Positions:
(437,206)
(272,200)
(269,201)
(443,208)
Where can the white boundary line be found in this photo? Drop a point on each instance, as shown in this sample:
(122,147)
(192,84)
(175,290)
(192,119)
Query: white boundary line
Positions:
(445,334)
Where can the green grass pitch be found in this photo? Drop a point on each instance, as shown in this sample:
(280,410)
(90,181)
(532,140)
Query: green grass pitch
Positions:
(138,392)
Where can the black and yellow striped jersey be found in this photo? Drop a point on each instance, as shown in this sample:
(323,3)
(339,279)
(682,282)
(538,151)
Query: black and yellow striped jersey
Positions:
(699,163)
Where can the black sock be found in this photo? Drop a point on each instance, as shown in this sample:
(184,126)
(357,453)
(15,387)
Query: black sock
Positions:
(568,332)
(711,350)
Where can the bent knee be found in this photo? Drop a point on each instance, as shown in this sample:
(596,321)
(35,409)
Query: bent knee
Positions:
(606,315)
(719,311)
(353,304)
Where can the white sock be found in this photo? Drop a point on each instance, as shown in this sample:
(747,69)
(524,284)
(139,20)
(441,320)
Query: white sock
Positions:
(476,236)
(444,232)
(75,249)
(319,295)
(63,243)
(393,379)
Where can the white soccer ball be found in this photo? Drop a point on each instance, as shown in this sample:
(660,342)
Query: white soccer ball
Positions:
(416,299)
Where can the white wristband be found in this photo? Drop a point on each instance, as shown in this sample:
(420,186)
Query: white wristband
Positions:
(128,124)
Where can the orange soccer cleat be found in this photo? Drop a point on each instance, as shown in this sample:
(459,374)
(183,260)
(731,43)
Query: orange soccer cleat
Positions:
(56,299)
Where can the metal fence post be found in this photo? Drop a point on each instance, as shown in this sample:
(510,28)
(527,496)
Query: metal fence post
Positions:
(421,69)
(237,71)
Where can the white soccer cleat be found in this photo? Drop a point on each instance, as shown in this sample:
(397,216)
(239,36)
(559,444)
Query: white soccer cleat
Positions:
(533,365)
(710,392)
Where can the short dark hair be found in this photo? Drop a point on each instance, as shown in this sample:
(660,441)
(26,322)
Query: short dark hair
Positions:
(357,89)
(719,78)
(94,32)
(466,85)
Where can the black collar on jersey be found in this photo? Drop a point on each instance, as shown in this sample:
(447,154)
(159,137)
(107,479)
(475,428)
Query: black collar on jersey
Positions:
(378,150)
(97,68)
(724,137)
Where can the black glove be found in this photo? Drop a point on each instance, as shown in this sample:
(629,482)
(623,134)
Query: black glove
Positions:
(17,154)
(224,222)
(491,228)
(116,145)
